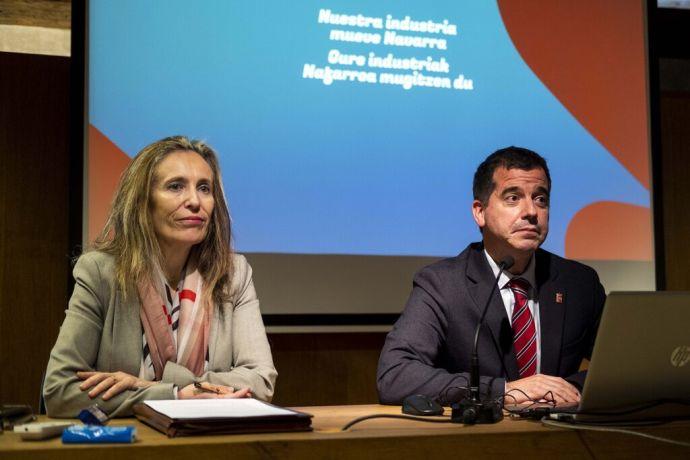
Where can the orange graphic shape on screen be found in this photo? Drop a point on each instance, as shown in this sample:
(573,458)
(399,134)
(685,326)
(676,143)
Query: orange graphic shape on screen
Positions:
(105,165)
(582,52)
(610,231)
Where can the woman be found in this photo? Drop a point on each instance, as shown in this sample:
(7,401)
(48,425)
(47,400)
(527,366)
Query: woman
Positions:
(161,303)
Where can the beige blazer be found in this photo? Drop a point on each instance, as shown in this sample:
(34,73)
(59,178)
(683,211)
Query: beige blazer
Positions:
(103,332)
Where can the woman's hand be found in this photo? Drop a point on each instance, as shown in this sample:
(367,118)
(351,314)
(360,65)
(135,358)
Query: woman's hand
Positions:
(112,383)
(205,390)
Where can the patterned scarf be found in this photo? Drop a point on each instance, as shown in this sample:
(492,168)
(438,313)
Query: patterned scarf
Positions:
(192,334)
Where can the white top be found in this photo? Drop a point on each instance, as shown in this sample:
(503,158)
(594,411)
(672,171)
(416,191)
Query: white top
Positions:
(509,297)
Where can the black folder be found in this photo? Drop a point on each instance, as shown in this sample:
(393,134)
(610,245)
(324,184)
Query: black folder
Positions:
(172,427)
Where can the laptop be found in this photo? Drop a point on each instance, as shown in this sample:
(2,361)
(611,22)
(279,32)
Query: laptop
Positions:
(640,366)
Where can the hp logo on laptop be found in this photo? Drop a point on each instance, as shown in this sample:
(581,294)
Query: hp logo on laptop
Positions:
(680,356)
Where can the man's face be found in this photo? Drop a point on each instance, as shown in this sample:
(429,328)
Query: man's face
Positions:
(515,219)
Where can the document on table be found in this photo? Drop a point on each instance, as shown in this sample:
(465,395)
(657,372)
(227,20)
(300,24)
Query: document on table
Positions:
(183,409)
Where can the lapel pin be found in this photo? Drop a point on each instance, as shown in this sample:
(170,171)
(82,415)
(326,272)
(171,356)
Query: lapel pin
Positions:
(559,297)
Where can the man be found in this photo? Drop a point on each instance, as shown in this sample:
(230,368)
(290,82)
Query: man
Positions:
(542,318)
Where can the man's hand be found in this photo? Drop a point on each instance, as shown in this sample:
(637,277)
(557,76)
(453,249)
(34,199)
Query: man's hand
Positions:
(112,383)
(207,390)
(540,387)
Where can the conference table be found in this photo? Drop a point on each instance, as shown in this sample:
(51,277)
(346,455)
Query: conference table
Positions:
(376,438)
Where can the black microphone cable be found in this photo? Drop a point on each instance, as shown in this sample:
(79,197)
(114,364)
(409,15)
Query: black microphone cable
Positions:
(398,416)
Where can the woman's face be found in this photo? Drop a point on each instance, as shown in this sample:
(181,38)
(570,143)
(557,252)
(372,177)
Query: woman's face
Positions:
(182,200)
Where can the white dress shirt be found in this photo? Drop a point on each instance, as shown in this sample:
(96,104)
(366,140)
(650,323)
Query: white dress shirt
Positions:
(509,297)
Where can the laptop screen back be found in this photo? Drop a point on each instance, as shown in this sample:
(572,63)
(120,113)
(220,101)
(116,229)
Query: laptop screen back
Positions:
(642,351)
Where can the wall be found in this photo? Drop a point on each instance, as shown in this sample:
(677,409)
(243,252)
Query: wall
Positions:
(675,141)
(34,197)
(34,225)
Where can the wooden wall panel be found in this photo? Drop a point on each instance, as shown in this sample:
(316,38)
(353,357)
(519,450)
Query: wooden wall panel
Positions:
(37,13)
(326,369)
(34,187)
(675,144)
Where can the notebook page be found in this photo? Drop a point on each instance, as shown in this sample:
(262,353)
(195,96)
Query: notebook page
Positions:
(215,408)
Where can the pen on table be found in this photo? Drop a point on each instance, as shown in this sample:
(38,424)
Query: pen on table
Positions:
(200,386)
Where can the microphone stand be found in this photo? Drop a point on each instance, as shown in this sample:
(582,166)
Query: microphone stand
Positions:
(472,409)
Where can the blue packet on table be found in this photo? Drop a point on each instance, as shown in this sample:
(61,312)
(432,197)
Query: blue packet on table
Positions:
(97,434)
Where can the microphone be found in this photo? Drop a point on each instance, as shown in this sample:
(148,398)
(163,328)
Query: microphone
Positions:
(472,410)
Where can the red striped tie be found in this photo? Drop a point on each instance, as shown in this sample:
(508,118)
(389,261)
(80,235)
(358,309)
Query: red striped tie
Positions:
(524,331)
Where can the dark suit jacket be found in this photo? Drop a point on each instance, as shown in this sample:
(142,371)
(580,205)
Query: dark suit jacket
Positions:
(428,351)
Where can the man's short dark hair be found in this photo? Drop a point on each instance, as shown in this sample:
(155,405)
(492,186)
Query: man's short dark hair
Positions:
(509,158)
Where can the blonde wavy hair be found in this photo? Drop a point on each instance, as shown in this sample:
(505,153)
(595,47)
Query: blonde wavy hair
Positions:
(129,234)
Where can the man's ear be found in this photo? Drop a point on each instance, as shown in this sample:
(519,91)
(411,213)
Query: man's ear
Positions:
(478,213)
